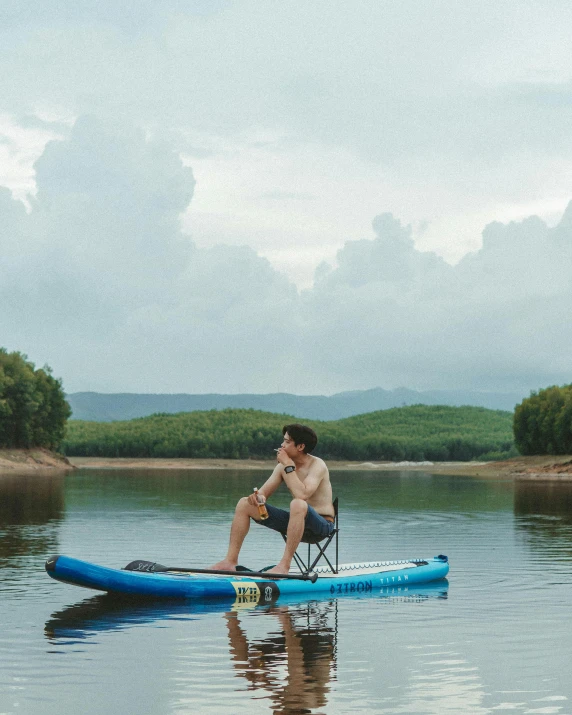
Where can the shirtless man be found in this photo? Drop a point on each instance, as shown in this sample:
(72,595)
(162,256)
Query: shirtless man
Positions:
(311,508)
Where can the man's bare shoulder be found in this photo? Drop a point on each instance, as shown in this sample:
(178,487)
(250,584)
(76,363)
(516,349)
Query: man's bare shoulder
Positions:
(318,465)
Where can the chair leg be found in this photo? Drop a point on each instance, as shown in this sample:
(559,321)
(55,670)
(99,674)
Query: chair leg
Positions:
(322,554)
(318,557)
(301,565)
(305,567)
(337,564)
(299,561)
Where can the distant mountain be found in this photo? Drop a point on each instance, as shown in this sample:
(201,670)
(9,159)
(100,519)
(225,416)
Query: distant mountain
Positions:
(102,407)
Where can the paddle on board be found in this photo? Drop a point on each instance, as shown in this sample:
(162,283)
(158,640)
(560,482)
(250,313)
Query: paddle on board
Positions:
(151,567)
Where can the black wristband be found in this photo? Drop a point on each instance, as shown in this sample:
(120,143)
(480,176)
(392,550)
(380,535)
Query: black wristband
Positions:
(289,469)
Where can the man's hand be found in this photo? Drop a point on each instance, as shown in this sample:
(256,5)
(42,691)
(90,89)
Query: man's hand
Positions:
(284,459)
(253,498)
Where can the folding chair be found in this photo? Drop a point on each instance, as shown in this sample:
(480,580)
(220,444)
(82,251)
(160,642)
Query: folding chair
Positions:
(309,565)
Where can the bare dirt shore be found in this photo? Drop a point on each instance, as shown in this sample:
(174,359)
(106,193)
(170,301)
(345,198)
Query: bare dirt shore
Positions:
(546,468)
(534,468)
(32,460)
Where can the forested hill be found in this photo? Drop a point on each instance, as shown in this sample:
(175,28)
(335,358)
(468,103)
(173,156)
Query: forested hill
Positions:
(436,433)
(125,406)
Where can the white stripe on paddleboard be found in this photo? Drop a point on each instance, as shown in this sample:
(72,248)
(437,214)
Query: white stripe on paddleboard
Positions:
(363,569)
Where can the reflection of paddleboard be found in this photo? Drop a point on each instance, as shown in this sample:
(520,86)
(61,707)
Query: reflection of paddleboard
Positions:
(104,612)
(354,579)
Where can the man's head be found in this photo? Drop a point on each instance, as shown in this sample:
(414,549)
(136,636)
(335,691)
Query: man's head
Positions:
(302,436)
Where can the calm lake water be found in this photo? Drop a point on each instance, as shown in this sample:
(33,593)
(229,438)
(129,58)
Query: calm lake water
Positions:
(495,638)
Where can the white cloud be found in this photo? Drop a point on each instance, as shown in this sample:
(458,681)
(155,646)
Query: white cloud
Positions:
(448,114)
(299,123)
(99,280)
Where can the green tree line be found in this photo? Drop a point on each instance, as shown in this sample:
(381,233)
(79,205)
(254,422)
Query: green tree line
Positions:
(33,408)
(413,433)
(543,422)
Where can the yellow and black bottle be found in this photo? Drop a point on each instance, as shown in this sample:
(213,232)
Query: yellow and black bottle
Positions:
(262,510)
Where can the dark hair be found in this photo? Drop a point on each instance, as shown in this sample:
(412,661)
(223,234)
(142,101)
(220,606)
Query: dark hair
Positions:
(302,435)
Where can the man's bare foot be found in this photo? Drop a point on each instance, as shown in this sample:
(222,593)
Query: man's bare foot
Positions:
(279,568)
(224,565)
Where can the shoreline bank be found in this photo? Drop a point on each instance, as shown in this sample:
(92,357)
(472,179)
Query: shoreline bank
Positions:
(545,468)
(26,461)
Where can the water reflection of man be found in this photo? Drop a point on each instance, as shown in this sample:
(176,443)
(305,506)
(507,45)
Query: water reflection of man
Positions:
(307,650)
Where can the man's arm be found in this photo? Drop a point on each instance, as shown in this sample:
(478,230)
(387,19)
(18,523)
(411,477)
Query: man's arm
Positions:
(304,490)
(269,486)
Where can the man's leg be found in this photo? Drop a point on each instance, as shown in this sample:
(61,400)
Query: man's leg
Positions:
(238,531)
(298,511)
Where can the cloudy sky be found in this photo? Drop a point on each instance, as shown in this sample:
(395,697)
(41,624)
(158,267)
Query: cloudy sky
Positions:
(259,196)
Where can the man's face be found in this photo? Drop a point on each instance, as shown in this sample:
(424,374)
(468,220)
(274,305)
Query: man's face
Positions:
(291,448)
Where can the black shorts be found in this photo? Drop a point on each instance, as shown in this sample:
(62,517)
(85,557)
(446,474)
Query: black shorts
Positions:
(315,526)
